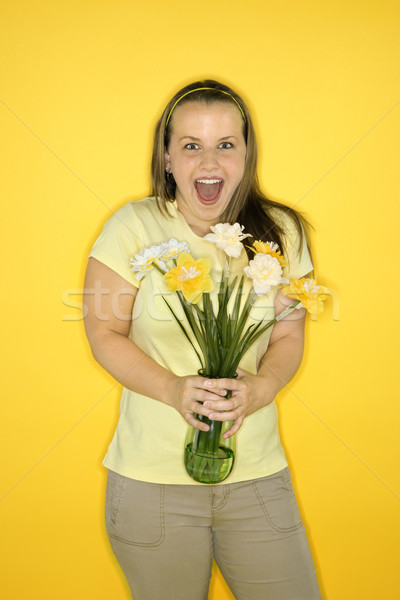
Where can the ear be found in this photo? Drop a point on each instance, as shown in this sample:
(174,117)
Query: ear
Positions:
(167,161)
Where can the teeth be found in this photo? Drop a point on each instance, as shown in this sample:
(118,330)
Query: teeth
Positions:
(209,180)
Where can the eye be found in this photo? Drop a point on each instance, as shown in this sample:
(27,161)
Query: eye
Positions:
(191,146)
(226,145)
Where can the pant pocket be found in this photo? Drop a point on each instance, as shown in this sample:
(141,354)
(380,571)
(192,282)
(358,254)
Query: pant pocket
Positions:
(134,511)
(277,500)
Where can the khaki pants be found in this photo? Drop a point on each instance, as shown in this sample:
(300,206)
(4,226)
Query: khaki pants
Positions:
(165,537)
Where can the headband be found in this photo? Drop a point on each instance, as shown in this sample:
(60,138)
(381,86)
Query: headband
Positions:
(198,90)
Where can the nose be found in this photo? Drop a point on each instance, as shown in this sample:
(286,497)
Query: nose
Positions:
(209,159)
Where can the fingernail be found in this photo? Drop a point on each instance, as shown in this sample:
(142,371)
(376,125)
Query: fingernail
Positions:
(208,382)
(206,404)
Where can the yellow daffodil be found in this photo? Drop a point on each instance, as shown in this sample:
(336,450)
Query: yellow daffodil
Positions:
(191,277)
(269,248)
(310,295)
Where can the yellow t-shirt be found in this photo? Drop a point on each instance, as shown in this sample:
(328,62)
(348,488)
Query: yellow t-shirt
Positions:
(149,440)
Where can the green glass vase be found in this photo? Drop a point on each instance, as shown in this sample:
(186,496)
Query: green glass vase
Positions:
(208,456)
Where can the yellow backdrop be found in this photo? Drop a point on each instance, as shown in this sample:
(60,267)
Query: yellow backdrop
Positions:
(82,85)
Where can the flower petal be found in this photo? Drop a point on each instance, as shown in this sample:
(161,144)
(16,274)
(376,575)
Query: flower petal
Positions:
(143,261)
(308,292)
(228,237)
(269,248)
(191,277)
(172,249)
(265,271)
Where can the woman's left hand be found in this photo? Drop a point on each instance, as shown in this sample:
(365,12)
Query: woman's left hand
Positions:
(248,394)
(278,365)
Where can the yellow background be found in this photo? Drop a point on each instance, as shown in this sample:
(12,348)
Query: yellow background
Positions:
(82,85)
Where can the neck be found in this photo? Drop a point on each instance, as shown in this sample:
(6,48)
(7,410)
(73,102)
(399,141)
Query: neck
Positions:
(199,228)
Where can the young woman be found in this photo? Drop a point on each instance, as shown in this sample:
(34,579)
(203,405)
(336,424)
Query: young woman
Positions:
(164,528)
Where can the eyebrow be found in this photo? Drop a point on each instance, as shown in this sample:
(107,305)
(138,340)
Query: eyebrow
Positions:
(195,139)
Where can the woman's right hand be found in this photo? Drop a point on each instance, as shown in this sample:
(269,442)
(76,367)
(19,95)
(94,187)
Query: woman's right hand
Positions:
(188,394)
(108,334)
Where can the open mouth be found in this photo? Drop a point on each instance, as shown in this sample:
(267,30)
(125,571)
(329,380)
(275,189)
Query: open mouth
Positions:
(208,190)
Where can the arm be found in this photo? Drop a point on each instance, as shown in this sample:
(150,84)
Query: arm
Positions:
(109,301)
(277,367)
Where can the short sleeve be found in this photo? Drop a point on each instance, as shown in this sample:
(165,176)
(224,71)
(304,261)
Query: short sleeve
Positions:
(120,239)
(297,255)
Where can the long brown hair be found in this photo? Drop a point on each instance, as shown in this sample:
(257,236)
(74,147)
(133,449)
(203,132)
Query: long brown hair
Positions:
(249,206)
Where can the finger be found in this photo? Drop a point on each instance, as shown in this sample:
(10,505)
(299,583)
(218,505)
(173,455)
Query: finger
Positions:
(200,409)
(241,372)
(215,386)
(220,386)
(234,429)
(197,395)
(231,415)
(191,419)
(225,405)
(207,400)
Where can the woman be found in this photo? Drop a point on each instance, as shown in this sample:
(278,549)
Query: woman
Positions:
(164,528)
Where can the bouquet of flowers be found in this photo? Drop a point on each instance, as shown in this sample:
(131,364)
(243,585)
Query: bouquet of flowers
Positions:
(218,335)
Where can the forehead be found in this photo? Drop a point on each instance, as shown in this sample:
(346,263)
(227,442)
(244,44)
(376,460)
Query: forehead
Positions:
(207,116)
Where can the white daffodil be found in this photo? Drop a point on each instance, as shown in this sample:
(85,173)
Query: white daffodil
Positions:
(266,272)
(172,249)
(228,238)
(143,261)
